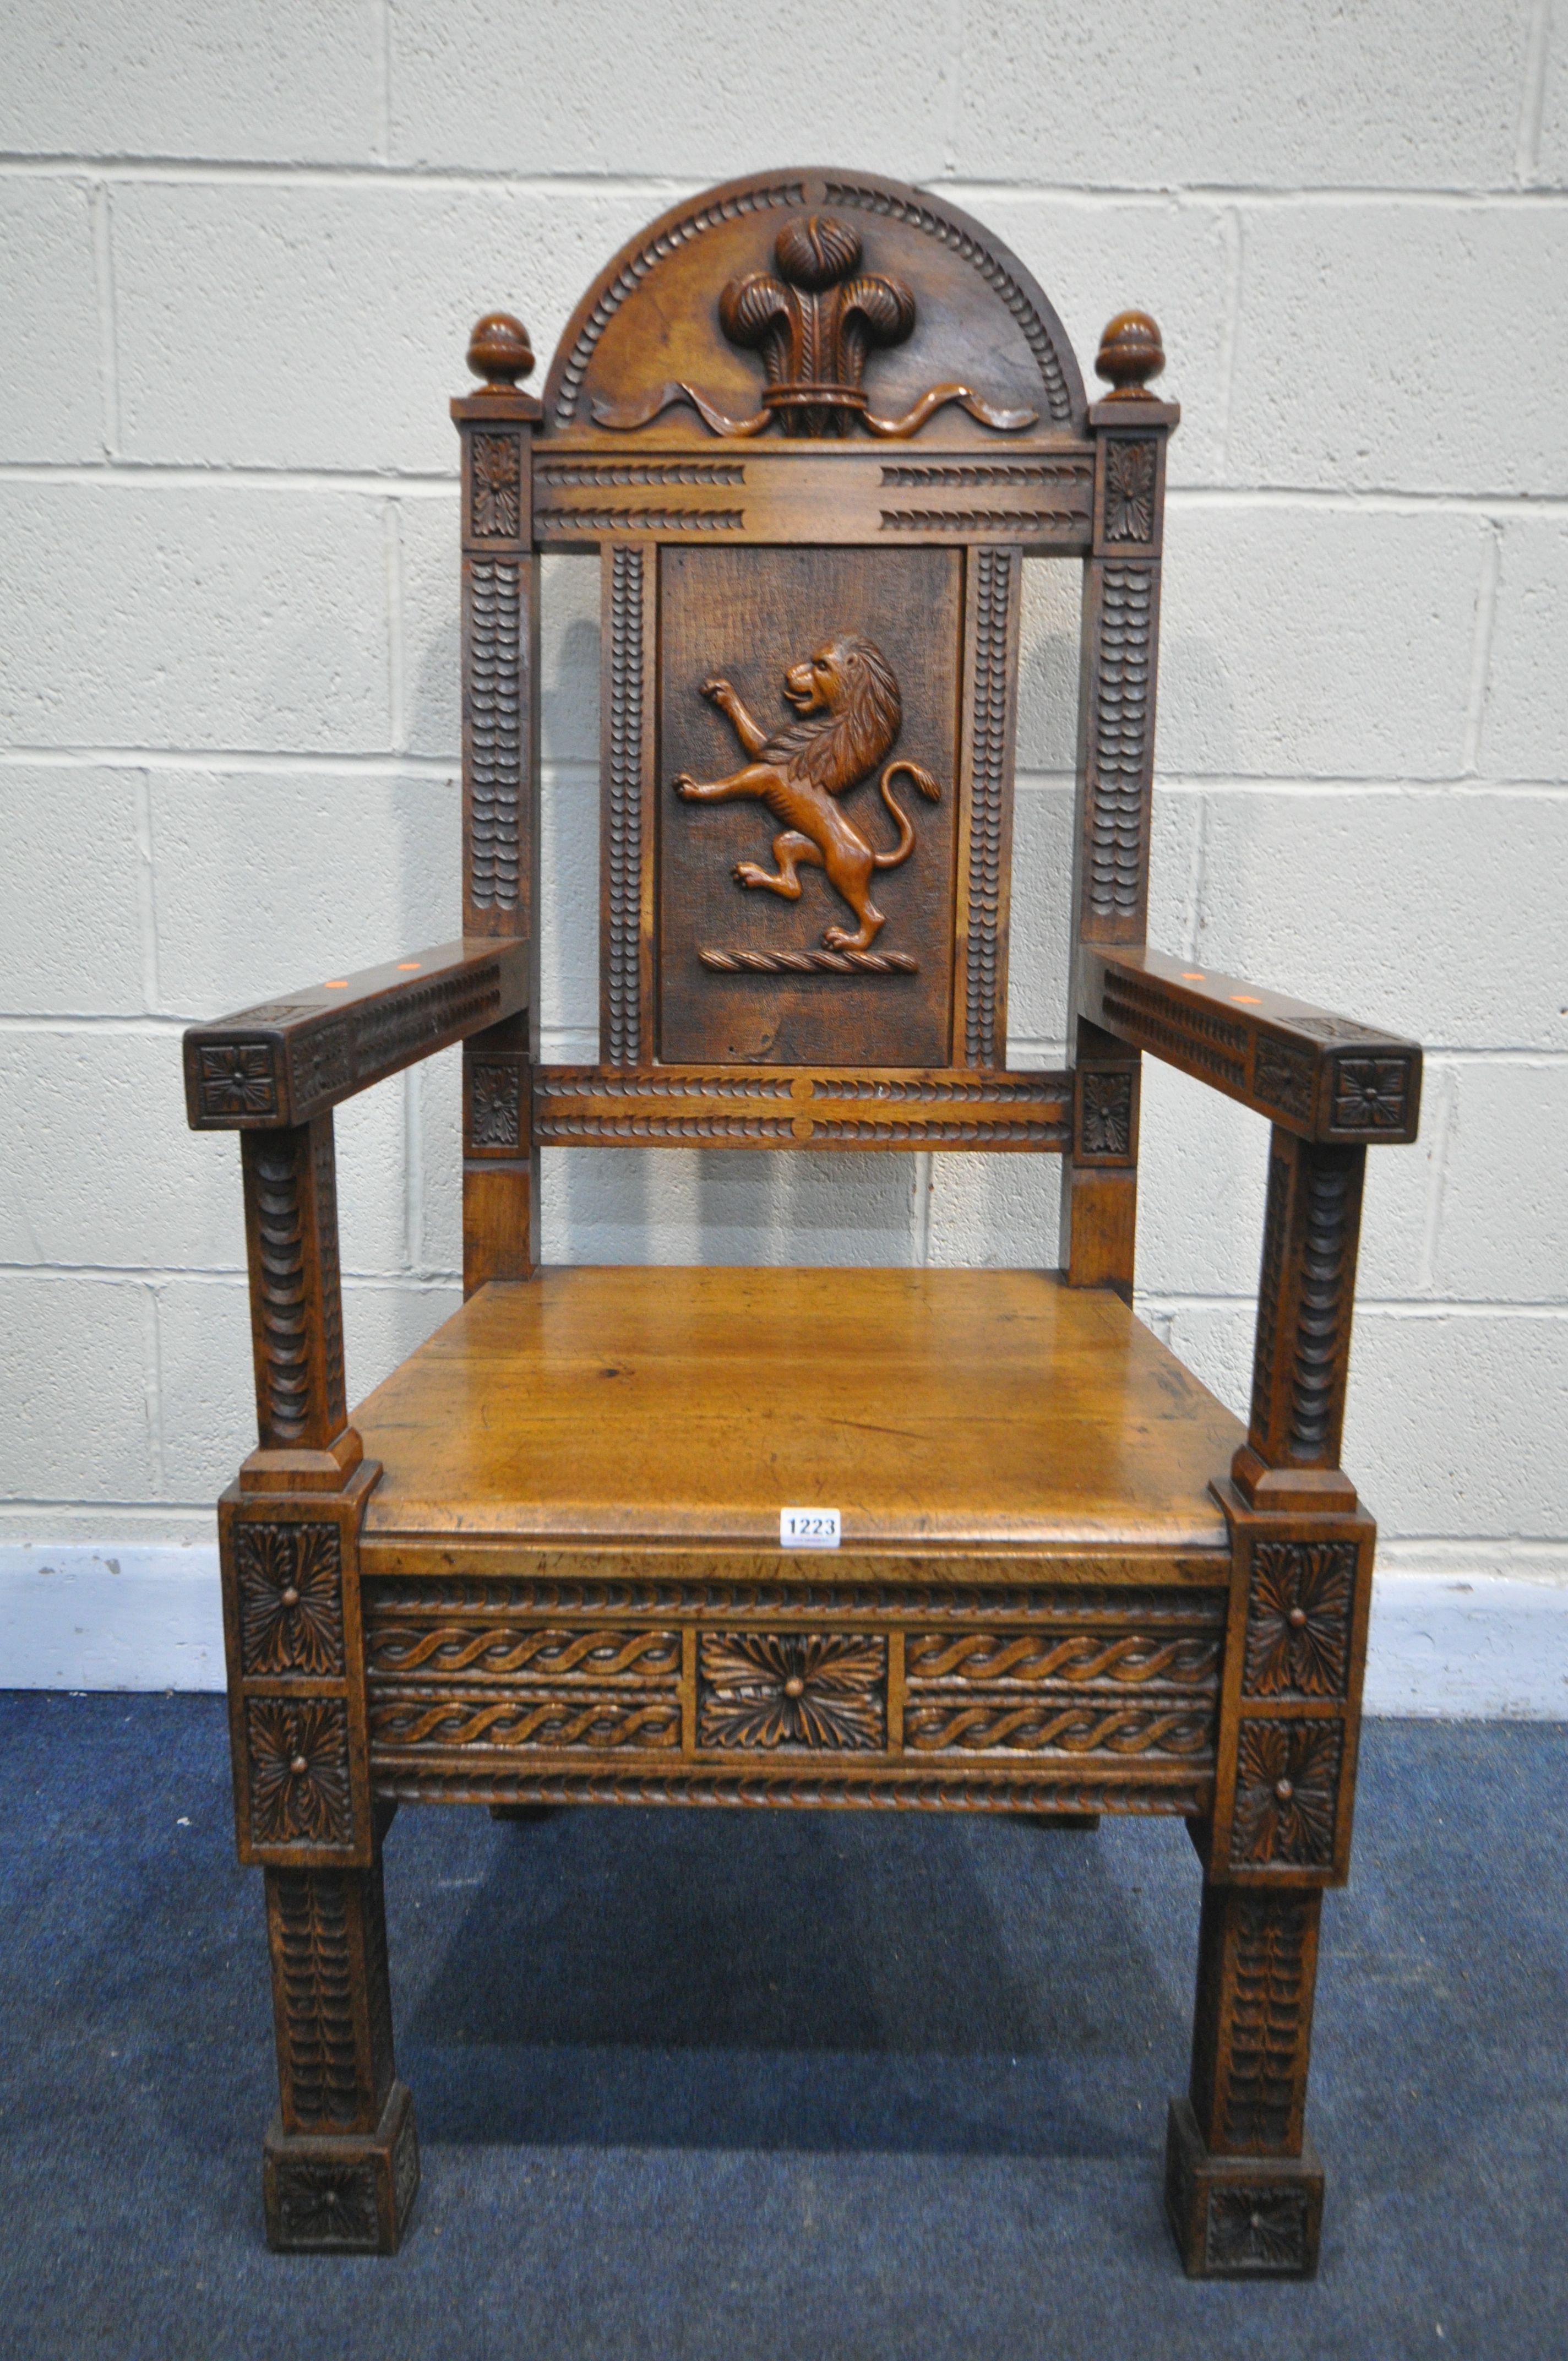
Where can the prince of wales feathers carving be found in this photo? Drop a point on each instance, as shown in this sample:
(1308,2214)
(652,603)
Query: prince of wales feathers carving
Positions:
(815,324)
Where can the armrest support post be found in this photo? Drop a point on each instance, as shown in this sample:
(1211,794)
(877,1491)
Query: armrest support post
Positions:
(1306,1299)
(500,1157)
(296,1311)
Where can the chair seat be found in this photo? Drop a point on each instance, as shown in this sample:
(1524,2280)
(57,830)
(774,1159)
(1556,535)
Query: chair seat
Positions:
(944,1411)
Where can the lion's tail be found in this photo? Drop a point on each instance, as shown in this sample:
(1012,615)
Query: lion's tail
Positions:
(905,845)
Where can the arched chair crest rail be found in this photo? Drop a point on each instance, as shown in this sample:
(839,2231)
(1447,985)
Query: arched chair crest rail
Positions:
(812,423)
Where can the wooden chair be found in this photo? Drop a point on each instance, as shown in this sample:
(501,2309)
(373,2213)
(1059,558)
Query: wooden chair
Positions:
(812,423)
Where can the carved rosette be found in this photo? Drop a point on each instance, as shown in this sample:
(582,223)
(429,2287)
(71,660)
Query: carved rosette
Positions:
(1371,1093)
(1298,1641)
(323,2204)
(1287,1804)
(238,1078)
(496,487)
(289,1579)
(799,1690)
(299,1771)
(1131,473)
(1257,2230)
(495,1105)
(1104,1104)
(1282,1077)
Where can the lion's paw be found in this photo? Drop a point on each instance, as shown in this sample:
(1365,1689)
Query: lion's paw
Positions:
(747,873)
(718,688)
(839,938)
(685,784)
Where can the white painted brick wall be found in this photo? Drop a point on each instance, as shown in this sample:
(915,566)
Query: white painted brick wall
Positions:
(240,248)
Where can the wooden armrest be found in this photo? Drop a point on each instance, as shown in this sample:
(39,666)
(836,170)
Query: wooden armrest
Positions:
(291,1059)
(1318,1075)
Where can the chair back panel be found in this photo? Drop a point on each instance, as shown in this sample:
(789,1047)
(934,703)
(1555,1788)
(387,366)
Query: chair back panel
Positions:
(850,661)
(812,423)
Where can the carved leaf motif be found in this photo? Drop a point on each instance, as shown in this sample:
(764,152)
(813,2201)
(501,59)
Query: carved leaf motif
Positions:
(291,1597)
(299,1771)
(1287,1793)
(496,485)
(796,1689)
(237,1079)
(1266,2060)
(1299,1631)
(1370,1094)
(496,1113)
(311,1944)
(1258,2229)
(1107,1113)
(323,2204)
(1282,1076)
(1129,491)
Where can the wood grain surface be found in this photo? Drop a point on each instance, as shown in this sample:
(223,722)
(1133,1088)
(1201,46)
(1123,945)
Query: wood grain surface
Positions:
(932,1407)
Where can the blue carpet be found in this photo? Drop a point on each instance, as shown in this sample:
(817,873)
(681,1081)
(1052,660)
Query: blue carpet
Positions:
(834,2086)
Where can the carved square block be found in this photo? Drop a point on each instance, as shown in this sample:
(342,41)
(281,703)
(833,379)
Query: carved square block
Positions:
(297,1764)
(761,1692)
(1106,1115)
(1288,1784)
(289,1578)
(495,1103)
(1241,2217)
(1371,1094)
(344,2195)
(1300,1602)
(237,1078)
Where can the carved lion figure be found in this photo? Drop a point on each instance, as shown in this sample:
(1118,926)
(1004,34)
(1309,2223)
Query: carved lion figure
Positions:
(850,714)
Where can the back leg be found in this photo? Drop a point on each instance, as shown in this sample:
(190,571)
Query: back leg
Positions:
(790,849)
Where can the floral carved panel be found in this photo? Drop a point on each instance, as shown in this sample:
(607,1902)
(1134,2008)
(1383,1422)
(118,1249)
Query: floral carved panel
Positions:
(796,1689)
(1130,472)
(1106,1115)
(1262,2230)
(238,1078)
(289,1580)
(1370,1094)
(496,487)
(322,2203)
(1286,1794)
(1298,1641)
(299,1771)
(495,1103)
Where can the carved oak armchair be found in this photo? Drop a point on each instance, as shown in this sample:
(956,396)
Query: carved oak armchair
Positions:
(930,1540)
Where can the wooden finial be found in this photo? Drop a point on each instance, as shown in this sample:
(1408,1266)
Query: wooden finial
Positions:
(499,352)
(1130,353)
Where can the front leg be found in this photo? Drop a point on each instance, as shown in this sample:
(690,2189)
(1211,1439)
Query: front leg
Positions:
(751,733)
(749,782)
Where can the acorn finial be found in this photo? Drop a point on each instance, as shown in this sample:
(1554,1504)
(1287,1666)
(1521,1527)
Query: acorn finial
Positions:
(499,352)
(1130,353)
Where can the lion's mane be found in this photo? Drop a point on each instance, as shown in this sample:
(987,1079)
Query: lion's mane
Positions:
(837,749)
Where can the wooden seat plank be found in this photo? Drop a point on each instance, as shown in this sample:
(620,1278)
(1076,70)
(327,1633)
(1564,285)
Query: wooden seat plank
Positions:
(931,1408)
